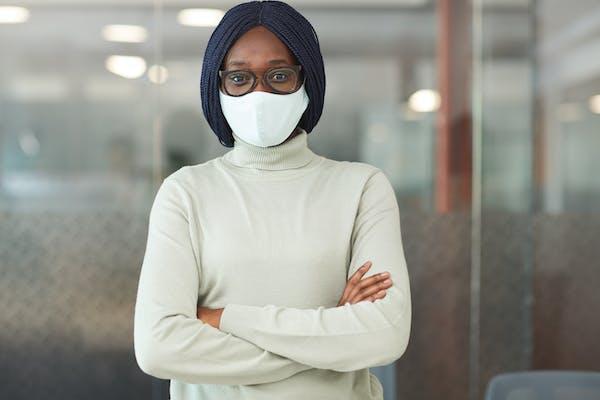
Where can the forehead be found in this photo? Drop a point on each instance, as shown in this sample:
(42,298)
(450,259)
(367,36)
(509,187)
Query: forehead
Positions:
(258,46)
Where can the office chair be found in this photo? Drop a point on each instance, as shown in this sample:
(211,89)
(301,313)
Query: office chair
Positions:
(544,385)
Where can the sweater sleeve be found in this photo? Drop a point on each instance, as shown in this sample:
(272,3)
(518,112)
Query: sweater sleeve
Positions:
(351,336)
(170,342)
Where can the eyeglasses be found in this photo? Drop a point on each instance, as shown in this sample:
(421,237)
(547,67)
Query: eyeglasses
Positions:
(280,80)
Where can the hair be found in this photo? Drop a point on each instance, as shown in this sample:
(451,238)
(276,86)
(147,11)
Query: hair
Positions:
(293,29)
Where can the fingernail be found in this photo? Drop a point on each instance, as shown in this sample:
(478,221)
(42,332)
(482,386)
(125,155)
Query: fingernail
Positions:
(387,281)
(385,274)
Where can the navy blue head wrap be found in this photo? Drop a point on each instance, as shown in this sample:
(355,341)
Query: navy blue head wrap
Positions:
(292,29)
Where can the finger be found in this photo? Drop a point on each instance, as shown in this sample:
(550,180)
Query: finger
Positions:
(373,280)
(357,276)
(354,279)
(379,295)
(382,285)
(372,290)
(366,282)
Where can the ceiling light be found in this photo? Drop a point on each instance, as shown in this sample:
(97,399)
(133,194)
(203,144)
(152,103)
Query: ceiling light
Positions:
(158,74)
(124,33)
(200,16)
(424,100)
(594,104)
(13,15)
(130,67)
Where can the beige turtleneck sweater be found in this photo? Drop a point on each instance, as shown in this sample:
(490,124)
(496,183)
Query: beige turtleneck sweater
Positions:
(271,235)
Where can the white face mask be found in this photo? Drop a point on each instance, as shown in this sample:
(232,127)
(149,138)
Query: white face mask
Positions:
(264,119)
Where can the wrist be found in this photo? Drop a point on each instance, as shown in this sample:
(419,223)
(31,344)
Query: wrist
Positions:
(220,312)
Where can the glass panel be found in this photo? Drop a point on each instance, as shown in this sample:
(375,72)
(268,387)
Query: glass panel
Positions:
(77,161)
(567,219)
(539,213)
(502,217)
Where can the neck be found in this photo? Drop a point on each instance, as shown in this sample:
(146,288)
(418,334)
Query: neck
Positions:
(292,153)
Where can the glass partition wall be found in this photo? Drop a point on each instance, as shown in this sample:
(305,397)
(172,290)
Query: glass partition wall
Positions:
(483,114)
(537,135)
(77,157)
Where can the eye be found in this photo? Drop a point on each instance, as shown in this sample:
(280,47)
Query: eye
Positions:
(238,78)
(279,76)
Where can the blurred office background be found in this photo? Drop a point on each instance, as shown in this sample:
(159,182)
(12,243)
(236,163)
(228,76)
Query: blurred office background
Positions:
(484,114)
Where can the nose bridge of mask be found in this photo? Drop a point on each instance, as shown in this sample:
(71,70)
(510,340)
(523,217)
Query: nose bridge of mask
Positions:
(262,113)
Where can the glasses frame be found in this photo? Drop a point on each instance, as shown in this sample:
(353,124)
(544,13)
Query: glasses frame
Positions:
(296,67)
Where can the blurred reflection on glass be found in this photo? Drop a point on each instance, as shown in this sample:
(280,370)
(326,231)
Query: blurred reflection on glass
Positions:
(540,196)
(76,179)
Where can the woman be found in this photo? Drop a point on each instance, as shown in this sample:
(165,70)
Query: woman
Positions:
(264,272)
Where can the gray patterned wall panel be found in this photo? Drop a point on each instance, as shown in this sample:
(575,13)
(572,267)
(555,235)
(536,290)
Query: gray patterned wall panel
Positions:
(68,285)
(566,291)
(505,290)
(435,365)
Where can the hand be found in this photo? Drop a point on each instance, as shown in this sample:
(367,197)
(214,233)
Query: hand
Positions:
(370,288)
(210,316)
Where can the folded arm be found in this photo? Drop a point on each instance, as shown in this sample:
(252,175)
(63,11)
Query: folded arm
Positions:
(352,336)
(170,342)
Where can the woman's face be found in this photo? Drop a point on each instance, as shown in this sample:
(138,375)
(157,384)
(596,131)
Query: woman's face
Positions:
(258,50)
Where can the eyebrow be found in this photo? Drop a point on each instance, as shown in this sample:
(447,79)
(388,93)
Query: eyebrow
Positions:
(271,62)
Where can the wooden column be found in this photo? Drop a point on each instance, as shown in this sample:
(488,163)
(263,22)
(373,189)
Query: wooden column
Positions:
(453,148)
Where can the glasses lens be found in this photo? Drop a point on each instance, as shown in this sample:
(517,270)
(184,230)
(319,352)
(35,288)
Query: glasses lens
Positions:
(237,83)
(283,79)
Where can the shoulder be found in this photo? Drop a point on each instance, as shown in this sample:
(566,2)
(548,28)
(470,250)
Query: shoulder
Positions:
(181,189)
(355,171)
(192,177)
(368,182)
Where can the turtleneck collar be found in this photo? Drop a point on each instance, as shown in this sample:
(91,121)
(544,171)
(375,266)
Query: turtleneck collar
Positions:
(294,153)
